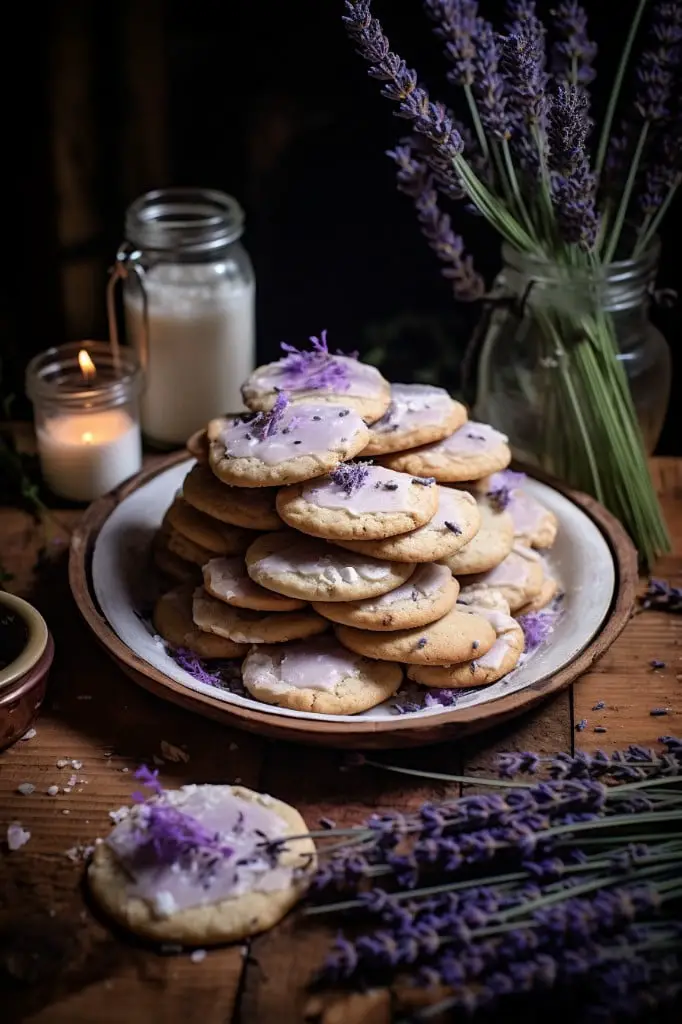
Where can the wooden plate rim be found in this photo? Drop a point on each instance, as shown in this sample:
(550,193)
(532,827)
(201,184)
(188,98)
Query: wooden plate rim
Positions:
(396,732)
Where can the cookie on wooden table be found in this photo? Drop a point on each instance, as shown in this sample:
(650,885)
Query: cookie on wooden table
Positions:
(173,622)
(519,577)
(227,580)
(141,881)
(245,626)
(197,445)
(357,501)
(209,533)
(490,545)
(252,508)
(286,445)
(170,564)
(473,451)
(449,640)
(320,377)
(499,661)
(429,594)
(456,521)
(534,524)
(318,675)
(418,414)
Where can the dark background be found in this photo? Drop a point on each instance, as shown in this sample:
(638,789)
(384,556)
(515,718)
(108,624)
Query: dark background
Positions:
(266,100)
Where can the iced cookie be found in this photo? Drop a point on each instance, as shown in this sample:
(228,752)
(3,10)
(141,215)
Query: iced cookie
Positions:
(449,640)
(547,593)
(418,414)
(314,571)
(534,525)
(287,444)
(191,866)
(456,521)
(208,533)
(429,594)
(185,548)
(519,577)
(357,501)
(320,377)
(197,445)
(249,627)
(502,657)
(252,508)
(318,675)
(471,452)
(227,580)
(170,564)
(173,622)
(488,547)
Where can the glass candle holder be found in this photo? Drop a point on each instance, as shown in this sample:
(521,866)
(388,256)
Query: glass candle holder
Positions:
(86,405)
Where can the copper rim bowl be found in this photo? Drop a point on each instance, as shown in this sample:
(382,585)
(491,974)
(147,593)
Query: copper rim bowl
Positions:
(23,680)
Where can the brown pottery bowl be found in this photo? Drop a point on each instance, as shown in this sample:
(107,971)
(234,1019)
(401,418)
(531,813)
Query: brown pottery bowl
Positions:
(26,653)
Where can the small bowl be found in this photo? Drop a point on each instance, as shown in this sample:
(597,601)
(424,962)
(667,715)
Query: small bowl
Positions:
(26,653)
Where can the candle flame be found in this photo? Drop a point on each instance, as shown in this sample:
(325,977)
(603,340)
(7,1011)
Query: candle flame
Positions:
(88,437)
(86,364)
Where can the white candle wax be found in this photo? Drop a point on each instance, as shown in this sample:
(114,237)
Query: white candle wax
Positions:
(84,455)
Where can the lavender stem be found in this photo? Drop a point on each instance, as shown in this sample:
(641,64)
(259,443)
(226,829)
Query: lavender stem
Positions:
(443,777)
(651,224)
(627,194)
(475,117)
(615,90)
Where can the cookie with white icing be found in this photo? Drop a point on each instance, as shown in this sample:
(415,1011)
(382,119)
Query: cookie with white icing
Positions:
(491,544)
(418,414)
(472,451)
(456,522)
(251,508)
(219,883)
(205,531)
(245,626)
(172,618)
(534,525)
(496,663)
(321,377)
(519,577)
(428,595)
(288,444)
(227,580)
(312,570)
(318,675)
(359,502)
(547,593)
(449,640)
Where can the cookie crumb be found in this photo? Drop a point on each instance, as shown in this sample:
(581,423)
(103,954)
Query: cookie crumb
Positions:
(66,811)
(26,788)
(77,765)
(125,770)
(197,955)
(29,734)
(62,762)
(52,790)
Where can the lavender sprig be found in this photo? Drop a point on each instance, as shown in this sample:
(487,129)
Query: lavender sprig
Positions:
(350,476)
(526,103)
(266,424)
(456,26)
(572,55)
(573,185)
(317,368)
(663,596)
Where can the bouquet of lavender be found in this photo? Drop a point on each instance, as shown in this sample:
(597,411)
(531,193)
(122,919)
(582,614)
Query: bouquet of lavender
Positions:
(527,166)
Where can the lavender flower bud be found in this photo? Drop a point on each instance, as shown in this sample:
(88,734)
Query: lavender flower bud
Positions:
(572,56)
(456,25)
(573,185)
(657,66)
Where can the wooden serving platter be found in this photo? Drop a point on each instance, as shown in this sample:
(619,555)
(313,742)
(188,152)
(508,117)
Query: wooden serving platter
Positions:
(364,733)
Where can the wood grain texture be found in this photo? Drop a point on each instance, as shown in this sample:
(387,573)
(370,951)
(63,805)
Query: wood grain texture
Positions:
(61,964)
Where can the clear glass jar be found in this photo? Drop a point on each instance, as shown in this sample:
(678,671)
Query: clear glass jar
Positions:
(86,404)
(530,329)
(189,301)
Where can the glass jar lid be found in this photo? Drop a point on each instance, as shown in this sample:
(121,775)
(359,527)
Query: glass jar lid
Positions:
(183,220)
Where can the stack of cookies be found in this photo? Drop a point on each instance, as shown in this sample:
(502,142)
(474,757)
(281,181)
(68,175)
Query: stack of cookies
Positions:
(346,531)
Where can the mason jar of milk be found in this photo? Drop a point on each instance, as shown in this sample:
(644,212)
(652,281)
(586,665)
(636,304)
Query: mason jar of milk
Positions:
(188,298)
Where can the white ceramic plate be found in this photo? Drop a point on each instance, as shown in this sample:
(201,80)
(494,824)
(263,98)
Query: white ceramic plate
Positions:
(125,586)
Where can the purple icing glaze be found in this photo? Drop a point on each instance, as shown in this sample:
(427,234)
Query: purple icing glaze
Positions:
(470,440)
(426,580)
(383,490)
(526,512)
(241,825)
(302,430)
(307,558)
(512,570)
(318,664)
(413,405)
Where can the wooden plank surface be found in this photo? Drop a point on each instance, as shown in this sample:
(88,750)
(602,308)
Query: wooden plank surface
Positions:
(60,964)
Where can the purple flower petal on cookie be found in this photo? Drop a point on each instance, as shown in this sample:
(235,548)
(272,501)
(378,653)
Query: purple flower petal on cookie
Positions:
(266,424)
(318,368)
(350,476)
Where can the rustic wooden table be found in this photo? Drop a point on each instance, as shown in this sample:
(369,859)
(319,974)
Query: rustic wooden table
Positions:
(60,964)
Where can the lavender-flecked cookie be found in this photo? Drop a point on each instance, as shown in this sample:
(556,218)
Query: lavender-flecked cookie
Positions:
(170,564)
(173,622)
(172,897)
(245,626)
(534,525)
(312,570)
(428,595)
(474,450)
(288,444)
(227,580)
(251,508)
(418,414)
(456,521)
(359,502)
(449,640)
(202,529)
(488,547)
(519,577)
(318,675)
(320,377)
(502,657)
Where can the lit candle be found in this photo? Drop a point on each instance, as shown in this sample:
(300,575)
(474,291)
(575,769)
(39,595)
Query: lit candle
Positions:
(86,422)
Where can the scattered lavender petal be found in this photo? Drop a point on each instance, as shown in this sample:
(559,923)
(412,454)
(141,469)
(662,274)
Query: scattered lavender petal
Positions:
(350,476)
(581,725)
(17,836)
